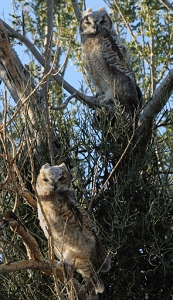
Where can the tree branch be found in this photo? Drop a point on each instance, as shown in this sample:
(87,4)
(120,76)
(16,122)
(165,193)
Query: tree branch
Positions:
(113,171)
(90,101)
(24,194)
(49,31)
(24,265)
(16,79)
(30,243)
(167,4)
(150,111)
(76,10)
(130,30)
(62,106)
(159,99)
(36,259)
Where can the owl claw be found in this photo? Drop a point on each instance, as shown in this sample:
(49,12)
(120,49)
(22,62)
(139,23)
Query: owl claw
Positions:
(99,95)
(99,288)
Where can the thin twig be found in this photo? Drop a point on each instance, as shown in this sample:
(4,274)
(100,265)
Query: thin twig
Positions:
(62,106)
(30,152)
(27,98)
(117,164)
(130,30)
(93,189)
(25,194)
(14,246)
(91,101)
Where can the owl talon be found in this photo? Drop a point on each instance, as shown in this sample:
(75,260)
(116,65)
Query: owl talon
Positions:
(95,286)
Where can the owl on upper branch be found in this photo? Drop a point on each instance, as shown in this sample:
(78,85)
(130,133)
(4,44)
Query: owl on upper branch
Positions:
(74,237)
(108,61)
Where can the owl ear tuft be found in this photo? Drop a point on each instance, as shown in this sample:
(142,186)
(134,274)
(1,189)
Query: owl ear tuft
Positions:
(63,165)
(89,10)
(46,166)
(102,9)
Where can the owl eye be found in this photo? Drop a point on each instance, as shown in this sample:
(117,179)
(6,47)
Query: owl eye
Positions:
(61,178)
(45,179)
(88,22)
(102,21)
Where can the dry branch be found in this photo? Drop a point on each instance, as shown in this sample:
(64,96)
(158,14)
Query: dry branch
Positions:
(167,4)
(62,106)
(76,10)
(159,98)
(23,193)
(13,182)
(130,30)
(30,243)
(20,86)
(15,78)
(24,265)
(91,101)
(36,260)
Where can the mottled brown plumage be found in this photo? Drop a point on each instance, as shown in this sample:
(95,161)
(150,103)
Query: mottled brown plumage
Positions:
(74,237)
(108,61)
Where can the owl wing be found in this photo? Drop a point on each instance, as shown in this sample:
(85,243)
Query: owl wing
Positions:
(115,54)
(80,214)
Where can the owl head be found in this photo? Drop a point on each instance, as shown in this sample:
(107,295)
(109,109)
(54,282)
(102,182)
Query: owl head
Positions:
(53,179)
(92,19)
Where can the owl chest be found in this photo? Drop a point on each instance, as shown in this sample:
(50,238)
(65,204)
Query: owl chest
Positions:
(61,220)
(95,63)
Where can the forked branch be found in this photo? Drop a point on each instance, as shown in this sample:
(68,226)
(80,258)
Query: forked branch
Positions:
(36,260)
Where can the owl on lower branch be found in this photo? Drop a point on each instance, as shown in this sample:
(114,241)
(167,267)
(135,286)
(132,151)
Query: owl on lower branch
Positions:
(107,60)
(74,237)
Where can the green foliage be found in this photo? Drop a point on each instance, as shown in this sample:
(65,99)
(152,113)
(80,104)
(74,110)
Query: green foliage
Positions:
(133,213)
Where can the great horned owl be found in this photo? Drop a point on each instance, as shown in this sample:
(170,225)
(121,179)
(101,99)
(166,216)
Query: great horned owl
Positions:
(74,237)
(107,60)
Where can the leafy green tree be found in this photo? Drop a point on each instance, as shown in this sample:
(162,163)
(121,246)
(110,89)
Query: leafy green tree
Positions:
(121,174)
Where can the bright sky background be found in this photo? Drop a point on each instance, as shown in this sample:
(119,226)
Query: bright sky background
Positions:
(72,76)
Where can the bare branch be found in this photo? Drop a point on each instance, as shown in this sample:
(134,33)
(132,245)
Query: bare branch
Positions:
(30,243)
(37,261)
(25,194)
(151,110)
(49,30)
(167,4)
(24,265)
(152,55)
(113,170)
(45,267)
(13,67)
(12,245)
(159,99)
(91,101)
(130,30)
(76,10)
(13,182)
(62,106)
(19,84)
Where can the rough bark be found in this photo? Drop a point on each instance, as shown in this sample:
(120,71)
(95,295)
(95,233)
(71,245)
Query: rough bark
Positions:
(19,84)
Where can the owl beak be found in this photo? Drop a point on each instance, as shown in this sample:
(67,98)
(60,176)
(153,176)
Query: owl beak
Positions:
(55,186)
(96,28)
